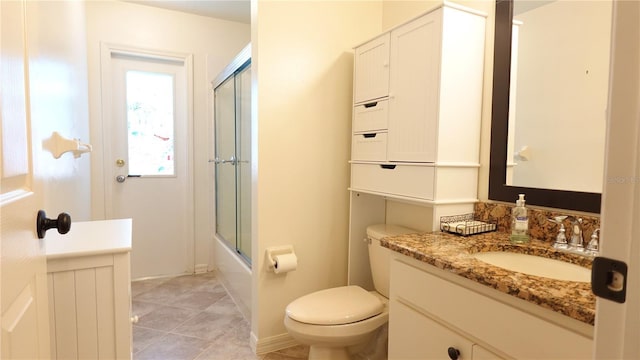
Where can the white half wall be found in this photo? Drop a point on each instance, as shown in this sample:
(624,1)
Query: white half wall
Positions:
(212,42)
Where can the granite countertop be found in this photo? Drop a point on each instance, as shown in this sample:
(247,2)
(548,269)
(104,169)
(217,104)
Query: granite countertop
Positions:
(453,253)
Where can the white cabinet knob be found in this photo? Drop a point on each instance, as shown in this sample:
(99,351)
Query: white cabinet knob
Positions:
(134,319)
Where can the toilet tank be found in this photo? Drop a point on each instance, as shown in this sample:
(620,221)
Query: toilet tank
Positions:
(380,257)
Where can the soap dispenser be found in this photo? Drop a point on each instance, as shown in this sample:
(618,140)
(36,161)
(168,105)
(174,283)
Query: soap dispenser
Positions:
(519,222)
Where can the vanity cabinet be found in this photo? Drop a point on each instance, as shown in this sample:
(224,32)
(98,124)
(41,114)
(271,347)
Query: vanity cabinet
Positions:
(428,339)
(431,311)
(417,108)
(89,282)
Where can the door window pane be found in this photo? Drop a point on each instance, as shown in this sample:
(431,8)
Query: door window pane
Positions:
(150,115)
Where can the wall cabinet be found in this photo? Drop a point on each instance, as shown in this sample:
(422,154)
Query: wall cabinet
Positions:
(429,314)
(89,283)
(417,108)
(371,72)
(416,125)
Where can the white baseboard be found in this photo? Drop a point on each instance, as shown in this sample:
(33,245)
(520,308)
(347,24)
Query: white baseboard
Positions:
(272,343)
(201,268)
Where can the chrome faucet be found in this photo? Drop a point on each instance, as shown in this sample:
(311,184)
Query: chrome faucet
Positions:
(561,239)
(593,247)
(577,241)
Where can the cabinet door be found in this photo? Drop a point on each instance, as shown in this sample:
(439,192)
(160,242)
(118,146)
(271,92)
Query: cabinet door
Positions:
(371,72)
(90,307)
(414,336)
(413,90)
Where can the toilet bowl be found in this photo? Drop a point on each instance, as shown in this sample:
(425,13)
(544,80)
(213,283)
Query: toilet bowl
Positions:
(333,320)
(330,335)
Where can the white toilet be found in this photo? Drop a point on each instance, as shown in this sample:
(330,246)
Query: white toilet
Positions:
(332,320)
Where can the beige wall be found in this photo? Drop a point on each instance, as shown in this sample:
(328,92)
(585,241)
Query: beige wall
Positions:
(304,103)
(303,119)
(213,44)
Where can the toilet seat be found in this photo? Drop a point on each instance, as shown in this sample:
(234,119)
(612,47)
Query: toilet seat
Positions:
(335,306)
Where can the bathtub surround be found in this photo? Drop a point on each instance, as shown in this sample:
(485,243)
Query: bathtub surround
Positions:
(539,226)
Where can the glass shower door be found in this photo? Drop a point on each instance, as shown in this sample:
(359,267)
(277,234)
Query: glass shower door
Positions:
(225,151)
(233,161)
(243,151)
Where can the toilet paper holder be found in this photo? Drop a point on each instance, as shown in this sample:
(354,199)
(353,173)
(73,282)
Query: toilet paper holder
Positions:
(272,252)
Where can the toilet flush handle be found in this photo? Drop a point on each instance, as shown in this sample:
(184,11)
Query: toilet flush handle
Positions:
(367,240)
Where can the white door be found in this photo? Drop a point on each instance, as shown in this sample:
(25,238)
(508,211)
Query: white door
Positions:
(23,269)
(617,328)
(147,158)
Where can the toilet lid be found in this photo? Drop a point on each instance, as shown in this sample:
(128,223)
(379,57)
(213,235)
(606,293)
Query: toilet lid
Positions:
(335,306)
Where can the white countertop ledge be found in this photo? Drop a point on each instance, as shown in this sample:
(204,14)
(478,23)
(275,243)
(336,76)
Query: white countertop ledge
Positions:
(86,238)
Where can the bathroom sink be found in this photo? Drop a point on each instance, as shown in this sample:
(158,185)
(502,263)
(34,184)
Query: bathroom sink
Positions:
(536,265)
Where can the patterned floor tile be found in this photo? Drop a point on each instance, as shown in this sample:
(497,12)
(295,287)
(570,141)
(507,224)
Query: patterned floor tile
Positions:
(192,317)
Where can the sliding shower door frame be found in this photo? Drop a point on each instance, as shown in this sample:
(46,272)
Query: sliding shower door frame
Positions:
(232,148)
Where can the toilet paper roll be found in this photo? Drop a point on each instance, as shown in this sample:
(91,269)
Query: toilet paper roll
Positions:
(284,263)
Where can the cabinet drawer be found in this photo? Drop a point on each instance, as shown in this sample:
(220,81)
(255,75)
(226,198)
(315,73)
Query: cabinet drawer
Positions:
(370,116)
(404,180)
(369,146)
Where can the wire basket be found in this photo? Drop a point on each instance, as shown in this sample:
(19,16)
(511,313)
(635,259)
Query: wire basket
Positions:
(465,225)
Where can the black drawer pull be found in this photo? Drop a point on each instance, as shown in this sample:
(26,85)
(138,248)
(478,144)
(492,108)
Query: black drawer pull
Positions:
(453,353)
(389,167)
(369,136)
(370,105)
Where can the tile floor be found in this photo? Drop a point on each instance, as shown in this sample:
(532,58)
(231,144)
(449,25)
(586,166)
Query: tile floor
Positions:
(191,317)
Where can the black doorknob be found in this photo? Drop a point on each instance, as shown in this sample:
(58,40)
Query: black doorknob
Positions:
(62,223)
(453,353)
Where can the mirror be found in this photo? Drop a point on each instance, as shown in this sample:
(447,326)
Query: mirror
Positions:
(548,112)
